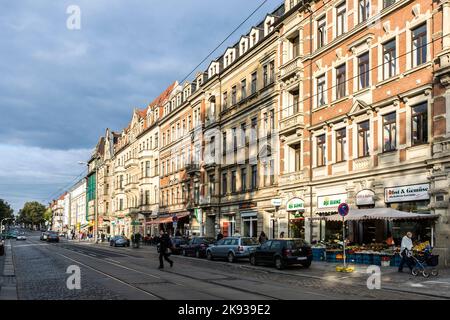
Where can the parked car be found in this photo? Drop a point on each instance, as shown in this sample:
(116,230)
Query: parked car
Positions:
(282,253)
(52,236)
(232,248)
(177,243)
(121,241)
(197,246)
(43,236)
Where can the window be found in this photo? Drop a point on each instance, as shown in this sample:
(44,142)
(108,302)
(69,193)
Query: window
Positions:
(147,196)
(387,3)
(233,130)
(389,132)
(340,81)
(294,102)
(363,138)
(419,121)
(156,167)
(225,100)
(321,32)
(212,183)
(321,150)
(243,89)
(265,75)
(419,45)
(156,140)
(321,91)
(224,183)
(364,10)
(212,145)
(389,59)
(295,47)
(254,182)
(233,181)
(254,80)
(341,144)
(243,134)
(224,143)
(341,19)
(121,204)
(233,95)
(271,71)
(363,71)
(147,169)
(243,179)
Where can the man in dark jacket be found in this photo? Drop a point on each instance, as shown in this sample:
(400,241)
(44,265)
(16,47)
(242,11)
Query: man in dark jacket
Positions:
(164,245)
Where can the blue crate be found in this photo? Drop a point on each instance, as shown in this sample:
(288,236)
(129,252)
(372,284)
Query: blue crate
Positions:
(376,259)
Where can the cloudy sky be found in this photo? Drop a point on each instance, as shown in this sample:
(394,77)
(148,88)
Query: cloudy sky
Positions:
(60,88)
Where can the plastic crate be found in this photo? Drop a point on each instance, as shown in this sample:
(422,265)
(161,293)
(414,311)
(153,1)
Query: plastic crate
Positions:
(376,259)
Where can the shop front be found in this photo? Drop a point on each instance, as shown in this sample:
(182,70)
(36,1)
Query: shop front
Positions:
(249,223)
(295,208)
(172,223)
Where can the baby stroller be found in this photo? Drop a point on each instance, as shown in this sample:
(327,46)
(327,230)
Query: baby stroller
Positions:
(425,263)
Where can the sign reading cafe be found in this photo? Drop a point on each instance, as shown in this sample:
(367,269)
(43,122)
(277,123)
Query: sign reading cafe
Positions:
(407,193)
(365,197)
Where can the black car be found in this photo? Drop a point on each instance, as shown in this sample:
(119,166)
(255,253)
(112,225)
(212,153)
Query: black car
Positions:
(52,236)
(197,246)
(121,241)
(282,253)
(177,242)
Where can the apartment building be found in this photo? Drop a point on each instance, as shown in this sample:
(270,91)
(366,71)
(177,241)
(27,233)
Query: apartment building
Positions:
(362,114)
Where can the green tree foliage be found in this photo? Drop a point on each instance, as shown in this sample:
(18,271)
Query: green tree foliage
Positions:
(32,213)
(5,210)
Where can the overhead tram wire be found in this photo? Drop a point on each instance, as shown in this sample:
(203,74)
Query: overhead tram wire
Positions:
(68,185)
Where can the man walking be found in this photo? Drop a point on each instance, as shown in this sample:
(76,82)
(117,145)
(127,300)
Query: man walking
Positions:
(405,252)
(164,246)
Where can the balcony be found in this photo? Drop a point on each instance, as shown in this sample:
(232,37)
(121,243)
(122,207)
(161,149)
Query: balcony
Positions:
(292,123)
(290,68)
(131,163)
(146,154)
(291,178)
(192,168)
(362,163)
(207,201)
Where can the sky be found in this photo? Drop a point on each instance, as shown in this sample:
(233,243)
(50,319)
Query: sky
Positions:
(61,88)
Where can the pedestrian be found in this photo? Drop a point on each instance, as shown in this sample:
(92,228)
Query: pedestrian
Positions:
(137,239)
(406,252)
(219,236)
(262,237)
(236,233)
(282,234)
(164,246)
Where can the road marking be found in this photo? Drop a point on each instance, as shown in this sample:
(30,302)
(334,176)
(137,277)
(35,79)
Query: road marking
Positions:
(109,259)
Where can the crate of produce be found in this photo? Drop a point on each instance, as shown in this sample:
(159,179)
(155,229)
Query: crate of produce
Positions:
(376,259)
(367,259)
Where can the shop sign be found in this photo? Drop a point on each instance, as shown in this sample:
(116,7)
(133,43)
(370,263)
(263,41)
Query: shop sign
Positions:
(365,197)
(331,201)
(413,192)
(276,202)
(247,205)
(295,204)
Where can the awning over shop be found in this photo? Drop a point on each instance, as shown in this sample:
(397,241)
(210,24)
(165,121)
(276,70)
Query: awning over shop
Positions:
(167,219)
(378,213)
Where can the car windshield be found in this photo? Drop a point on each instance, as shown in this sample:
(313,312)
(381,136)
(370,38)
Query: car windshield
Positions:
(249,242)
(298,243)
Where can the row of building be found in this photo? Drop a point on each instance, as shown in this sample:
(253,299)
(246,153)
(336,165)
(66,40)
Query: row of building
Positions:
(321,103)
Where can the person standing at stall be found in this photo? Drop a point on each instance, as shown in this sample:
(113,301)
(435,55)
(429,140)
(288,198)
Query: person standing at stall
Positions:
(406,252)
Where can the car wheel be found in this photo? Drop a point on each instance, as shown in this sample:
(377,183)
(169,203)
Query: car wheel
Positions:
(279,263)
(253,260)
(231,257)
(209,256)
(197,254)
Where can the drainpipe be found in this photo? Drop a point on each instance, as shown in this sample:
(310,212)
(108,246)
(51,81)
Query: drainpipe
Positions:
(310,122)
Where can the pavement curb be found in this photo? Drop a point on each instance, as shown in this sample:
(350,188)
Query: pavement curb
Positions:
(8,285)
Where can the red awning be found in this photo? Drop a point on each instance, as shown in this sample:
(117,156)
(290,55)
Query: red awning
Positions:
(167,219)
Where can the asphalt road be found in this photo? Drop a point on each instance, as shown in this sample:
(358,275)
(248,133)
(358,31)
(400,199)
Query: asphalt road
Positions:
(123,273)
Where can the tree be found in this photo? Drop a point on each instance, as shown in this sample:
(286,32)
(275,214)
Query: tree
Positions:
(32,213)
(5,210)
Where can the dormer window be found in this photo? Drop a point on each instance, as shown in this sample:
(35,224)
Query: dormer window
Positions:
(243,45)
(268,25)
(213,69)
(254,37)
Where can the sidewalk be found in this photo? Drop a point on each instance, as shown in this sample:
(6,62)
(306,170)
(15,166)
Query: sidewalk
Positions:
(8,288)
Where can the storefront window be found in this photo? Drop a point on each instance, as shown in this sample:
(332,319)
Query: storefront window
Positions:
(250,225)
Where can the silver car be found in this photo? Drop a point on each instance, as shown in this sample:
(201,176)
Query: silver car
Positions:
(232,248)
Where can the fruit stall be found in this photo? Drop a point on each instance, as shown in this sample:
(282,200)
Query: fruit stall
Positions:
(383,253)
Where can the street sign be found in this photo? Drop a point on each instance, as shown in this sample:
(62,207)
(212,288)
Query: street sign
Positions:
(343,209)
(276,202)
